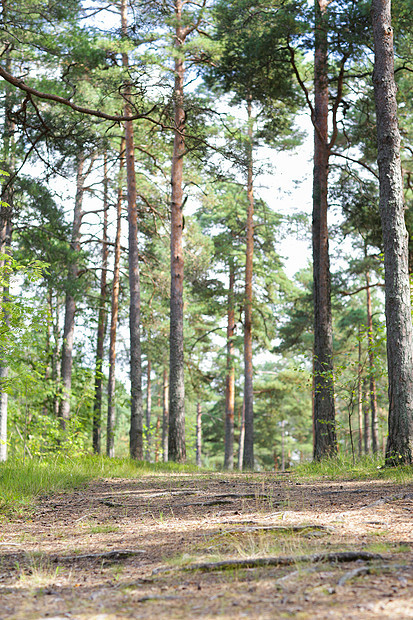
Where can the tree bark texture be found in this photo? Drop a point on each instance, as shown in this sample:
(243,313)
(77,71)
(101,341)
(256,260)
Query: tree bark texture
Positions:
(136,421)
(148,409)
(110,429)
(56,367)
(230,376)
(198,435)
(367,428)
(97,403)
(165,416)
(248,460)
(6,214)
(325,442)
(177,448)
(373,395)
(241,437)
(360,399)
(70,303)
(395,242)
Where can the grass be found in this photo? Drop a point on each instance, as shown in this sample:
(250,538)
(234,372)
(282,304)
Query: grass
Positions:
(364,468)
(21,483)
(103,529)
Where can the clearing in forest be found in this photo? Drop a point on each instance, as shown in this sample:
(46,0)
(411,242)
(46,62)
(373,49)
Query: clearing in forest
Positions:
(224,545)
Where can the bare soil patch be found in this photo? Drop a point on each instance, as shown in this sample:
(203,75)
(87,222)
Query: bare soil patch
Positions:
(124,549)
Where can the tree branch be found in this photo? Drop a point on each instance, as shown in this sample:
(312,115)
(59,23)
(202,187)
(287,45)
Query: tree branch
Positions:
(337,101)
(77,108)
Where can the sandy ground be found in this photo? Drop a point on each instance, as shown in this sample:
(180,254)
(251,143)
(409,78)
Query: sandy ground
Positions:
(70,558)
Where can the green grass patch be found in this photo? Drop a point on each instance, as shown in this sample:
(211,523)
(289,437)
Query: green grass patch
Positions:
(103,529)
(21,483)
(344,468)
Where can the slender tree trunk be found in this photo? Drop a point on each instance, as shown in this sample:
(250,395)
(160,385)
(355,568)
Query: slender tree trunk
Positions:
(70,304)
(367,442)
(56,366)
(157,431)
(177,448)
(230,376)
(248,461)
(395,241)
(373,395)
(241,438)
(148,410)
(6,214)
(4,369)
(136,422)
(360,398)
(198,435)
(283,445)
(110,432)
(97,403)
(165,416)
(324,410)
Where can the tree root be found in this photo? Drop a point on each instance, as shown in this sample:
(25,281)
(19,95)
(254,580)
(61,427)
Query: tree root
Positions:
(276,528)
(388,499)
(367,570)
(119,554)
(336,557)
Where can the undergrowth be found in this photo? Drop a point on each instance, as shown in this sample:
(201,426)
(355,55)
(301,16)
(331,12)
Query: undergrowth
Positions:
(344,468)
(21,483)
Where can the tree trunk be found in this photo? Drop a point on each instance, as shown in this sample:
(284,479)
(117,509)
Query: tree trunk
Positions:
(367,442)
(70,304)
(97,403)
(56,367)
(230,376)
(177,448)
(165,416)
(148,410)
(157,430)
(395,242)
(136,422)
(373,396)
(325,444)
(110,432)
(241,437)
(6,214)
(360,398)
(198,435)
(4,369)
(248,461)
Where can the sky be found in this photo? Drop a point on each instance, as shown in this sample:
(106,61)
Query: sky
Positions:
(287,188)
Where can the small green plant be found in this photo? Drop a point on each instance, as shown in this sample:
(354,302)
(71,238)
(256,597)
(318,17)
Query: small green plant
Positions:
(38,572)
(103,529)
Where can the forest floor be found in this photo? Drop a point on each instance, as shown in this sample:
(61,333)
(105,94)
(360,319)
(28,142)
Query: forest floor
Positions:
(121,548)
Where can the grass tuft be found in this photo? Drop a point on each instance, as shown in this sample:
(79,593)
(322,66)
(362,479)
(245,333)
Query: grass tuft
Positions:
(21,483)
(364,468)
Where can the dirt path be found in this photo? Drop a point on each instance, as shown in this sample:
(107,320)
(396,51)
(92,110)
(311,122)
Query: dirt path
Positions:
(122,549)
